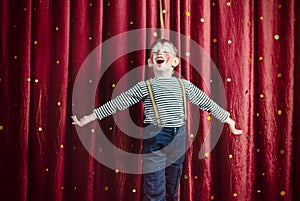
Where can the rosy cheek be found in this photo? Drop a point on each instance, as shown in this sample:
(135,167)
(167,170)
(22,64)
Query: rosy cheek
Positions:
(168,57)
(152,58)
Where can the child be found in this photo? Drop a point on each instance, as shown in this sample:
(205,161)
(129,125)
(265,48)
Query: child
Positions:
(164,98)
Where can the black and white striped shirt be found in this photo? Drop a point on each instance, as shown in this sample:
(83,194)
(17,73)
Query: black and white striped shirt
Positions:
(168,98)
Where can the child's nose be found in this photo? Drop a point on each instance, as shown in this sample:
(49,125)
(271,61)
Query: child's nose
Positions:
(160,51)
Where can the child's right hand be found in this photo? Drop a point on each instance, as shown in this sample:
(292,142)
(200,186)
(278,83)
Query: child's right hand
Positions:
(84,120)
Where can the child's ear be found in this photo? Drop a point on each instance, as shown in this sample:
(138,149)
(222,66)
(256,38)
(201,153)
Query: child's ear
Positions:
(175,62)
(150,64)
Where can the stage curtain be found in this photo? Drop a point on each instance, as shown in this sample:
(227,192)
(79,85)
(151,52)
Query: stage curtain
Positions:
(253,43)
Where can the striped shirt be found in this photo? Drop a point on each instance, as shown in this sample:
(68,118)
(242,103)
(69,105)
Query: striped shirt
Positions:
(169,101)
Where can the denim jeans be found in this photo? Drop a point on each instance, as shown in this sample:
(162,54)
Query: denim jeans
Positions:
(163,155)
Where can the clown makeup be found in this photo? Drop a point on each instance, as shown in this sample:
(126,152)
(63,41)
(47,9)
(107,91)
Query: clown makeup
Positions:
(162,53)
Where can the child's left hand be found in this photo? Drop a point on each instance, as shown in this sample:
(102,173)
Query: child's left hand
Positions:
(231,124)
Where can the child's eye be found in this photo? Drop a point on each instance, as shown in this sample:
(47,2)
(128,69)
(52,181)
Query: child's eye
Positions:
(166,49)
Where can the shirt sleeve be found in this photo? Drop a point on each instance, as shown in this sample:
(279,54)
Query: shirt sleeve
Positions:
(199,98)
(122,101)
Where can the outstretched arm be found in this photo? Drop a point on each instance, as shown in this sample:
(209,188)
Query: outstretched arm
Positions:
(121,102)
(231,124)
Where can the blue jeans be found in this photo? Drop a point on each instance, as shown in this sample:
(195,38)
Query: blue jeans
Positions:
(163,155)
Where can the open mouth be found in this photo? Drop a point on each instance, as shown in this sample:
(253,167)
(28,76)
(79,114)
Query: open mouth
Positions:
(160,60)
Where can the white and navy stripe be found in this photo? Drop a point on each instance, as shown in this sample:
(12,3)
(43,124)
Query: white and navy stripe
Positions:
(168,98)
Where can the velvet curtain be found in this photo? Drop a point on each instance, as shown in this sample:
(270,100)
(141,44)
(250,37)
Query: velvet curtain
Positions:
(254,44)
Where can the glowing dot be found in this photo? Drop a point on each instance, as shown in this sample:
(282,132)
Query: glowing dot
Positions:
(36,80)
(276,37)
(249,59)
(230,156)
(279,6)
(131,22)
(58,103)
(113,85)
(228,4)
(90,38)
(116,171)
(40,129)
(187,13)
(210,81)
(25,9)
(47,169)
(35,42)
(257,150)
(257,114)
(14,26)
(282,152)
(15,57)
(263,174)
(164,11)
(90,81)
(228,79)
(56,28)
(258,191)
(62,188)
(212,197)
(131,61)
(192,135)
(75,188)
(108,4)
(282,193)
(1,127)
(260,58)
(61,146)
(28,79)
(106,188)
(93,130)
(279,112)
(196,177)
(108,33)
(261,17)
(188,54)
(90,4)
(213,4)
(110,128)
(206,154)
(249,24)
(74,148)
(208,118)
(215,40)
(261,96)
(155,34)
(57,62)
(279,75)
(202,19)
(229,42)
(235,195)
(186,176)
(134,190)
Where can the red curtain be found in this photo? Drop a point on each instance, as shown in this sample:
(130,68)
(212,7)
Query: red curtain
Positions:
(254,44)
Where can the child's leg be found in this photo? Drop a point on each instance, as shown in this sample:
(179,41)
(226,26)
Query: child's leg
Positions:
(175,157)
(154,186)
(173,174)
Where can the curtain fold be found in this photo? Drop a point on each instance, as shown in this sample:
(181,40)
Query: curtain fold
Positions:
(254,45)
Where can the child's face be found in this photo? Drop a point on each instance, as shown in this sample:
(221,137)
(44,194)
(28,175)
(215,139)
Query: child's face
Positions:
(163,57)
